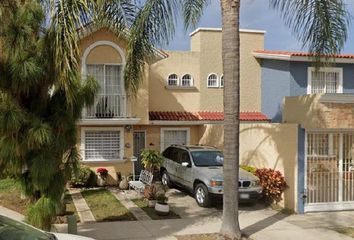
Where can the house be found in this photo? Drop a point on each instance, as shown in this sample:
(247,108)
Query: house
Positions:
(179,102)
(321,102)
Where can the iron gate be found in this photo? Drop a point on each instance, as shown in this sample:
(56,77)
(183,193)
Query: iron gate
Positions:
(329,171)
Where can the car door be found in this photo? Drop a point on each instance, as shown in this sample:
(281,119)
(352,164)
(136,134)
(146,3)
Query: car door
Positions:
(171,162)
(185,173)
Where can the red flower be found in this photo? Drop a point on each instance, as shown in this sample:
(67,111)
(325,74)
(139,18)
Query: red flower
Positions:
(103,172)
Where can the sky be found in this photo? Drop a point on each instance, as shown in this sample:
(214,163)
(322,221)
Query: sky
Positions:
(255,14)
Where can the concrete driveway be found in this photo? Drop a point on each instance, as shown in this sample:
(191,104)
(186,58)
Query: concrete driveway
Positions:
(256,221)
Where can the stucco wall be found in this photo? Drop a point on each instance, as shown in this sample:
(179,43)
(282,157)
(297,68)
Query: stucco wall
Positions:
(204,59)
(273,146)
(284,78)
(311,113)
(264,145)
(136,106)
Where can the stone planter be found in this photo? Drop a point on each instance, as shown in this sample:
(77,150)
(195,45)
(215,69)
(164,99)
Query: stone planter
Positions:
(123,185)
(151,203)
(162,209)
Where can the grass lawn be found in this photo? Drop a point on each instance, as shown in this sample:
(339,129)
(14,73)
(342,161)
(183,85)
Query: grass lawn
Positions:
(10,196)
(143,204)
(105,207)
(70,210)
(349,231)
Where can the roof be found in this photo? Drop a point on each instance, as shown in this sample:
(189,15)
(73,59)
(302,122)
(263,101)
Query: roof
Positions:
(220,29)
(298,56)
(203,116)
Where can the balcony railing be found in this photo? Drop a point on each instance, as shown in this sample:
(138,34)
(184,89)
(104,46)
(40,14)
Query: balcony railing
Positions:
(107,106)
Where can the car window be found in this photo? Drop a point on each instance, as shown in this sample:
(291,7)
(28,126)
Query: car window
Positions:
(174,155)
(184,157)
(14,230)
(207,158)
(167,153)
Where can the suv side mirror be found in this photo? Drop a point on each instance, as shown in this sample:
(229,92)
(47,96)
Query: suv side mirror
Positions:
(185,164)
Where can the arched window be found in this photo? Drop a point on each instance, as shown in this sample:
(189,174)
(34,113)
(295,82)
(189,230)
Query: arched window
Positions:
(172,80)
(187,80)
(212,80)
(222,81)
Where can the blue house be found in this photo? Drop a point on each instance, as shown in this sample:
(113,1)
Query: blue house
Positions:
(321,102)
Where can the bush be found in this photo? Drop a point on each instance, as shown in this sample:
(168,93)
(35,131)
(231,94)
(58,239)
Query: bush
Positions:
(84,177)
(273,184)
(248,168)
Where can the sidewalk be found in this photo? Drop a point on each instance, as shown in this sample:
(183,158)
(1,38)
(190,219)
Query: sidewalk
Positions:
(264,224)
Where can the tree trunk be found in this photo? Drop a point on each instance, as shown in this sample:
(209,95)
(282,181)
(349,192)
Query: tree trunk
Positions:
(230,227)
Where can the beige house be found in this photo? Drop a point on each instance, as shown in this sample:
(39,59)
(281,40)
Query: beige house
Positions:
(179,102)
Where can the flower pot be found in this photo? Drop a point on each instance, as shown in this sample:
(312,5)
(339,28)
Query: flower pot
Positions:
(162,209)
(101,182)
(151,203)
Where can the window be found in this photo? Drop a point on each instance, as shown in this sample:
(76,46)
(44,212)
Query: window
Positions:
(102,145)
(325,80)
(172,80)
(109,77)
(212,80)
(187,80)
(222,81)
(171,136)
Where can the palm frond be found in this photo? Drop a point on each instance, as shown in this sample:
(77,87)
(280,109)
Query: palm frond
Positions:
(192,11)
(321,25)
(154,25)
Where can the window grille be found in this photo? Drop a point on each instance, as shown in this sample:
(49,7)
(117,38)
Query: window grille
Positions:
(325,81)
(187,80)
(102,145)
(174,137)
(212,80)
(172,80)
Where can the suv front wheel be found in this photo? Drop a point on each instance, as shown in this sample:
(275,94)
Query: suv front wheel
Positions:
(165,179)
(201,195)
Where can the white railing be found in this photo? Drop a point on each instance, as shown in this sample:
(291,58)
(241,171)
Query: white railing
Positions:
(107,106)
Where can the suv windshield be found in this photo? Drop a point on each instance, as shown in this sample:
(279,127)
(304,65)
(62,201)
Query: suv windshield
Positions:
(207,158)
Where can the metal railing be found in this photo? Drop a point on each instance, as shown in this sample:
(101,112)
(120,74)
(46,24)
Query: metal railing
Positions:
(107,106)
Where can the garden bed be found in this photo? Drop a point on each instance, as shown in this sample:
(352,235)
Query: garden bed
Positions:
(10,196)
(105,207)
(143,204)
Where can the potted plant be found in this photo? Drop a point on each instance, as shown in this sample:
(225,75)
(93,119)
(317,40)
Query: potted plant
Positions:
(150,195)
(162,208)
(151,160)
(103,174)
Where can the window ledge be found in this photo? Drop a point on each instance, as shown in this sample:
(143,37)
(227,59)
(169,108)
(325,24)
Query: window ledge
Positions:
(337,98)
(180,88)
(102,161)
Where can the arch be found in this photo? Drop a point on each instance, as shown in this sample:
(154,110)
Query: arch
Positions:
(213,77)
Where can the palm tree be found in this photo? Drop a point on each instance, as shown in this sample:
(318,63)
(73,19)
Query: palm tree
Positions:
(321,25)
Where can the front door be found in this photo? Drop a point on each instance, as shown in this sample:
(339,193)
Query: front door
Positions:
(139,144)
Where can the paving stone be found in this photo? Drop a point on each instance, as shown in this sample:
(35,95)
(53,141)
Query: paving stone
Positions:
(81,206)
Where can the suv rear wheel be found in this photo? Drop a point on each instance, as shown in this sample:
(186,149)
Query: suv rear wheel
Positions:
(165,179)
(201,195)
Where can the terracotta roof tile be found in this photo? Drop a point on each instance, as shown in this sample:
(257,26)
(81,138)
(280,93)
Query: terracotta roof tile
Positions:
(301,54)
(203,116)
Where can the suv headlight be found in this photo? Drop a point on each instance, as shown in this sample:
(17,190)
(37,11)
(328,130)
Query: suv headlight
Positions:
(215,183)
(255,183)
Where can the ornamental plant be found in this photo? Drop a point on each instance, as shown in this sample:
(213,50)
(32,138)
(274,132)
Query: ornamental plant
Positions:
(151,159)
(273,183)
(102,172)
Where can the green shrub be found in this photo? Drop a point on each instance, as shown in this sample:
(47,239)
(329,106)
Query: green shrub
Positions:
(84,177)
(248,168)
(273,184)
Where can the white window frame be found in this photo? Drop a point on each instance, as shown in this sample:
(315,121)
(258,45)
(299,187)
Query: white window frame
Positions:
(221,78)
(325,69)
(191,80)
(168,78)
(217,80)
(162,135)
(121,145)
(121,79)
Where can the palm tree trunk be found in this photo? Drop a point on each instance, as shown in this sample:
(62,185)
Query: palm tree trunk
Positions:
(231,64)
